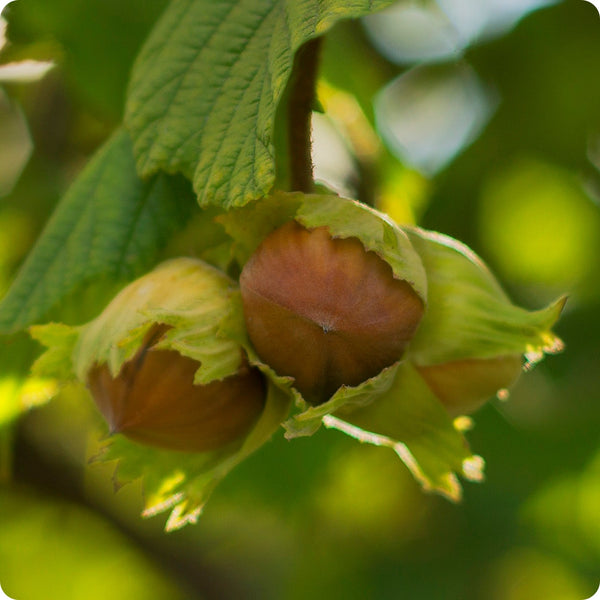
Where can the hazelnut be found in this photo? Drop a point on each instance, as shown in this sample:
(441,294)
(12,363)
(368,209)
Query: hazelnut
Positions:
(153,400)
(324,310)
(463,386)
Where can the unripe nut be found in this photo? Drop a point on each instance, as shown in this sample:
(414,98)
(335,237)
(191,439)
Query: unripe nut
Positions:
(463,386)
(324,310)
(153,400)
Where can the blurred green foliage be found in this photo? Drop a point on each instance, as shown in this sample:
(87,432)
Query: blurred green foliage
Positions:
(325,518)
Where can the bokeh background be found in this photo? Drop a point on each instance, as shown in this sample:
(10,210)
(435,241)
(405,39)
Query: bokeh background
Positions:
(477,118)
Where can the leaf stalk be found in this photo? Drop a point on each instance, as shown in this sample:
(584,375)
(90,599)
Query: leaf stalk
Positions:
(300,107)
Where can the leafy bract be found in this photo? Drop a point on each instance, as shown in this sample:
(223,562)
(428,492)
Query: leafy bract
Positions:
(109,224)
(206,86)
(408,418)
(309,420)
(60,341)
(348,218)
(189,296)
(468,314)
(249,225)
(398,410)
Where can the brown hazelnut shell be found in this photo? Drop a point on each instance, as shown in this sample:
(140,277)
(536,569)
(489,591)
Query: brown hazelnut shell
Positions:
(153,400)
(324,310)
(463,386)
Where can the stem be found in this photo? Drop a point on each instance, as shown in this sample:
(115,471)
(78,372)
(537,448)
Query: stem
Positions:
(299,116)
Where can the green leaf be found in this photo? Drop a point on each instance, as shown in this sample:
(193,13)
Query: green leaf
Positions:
(109,224)
(409,419)
(206,85)
(468,314)
(204,238)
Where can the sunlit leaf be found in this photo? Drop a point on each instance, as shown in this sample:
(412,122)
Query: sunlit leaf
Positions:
(60,340)
(396,409)
(206,85)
